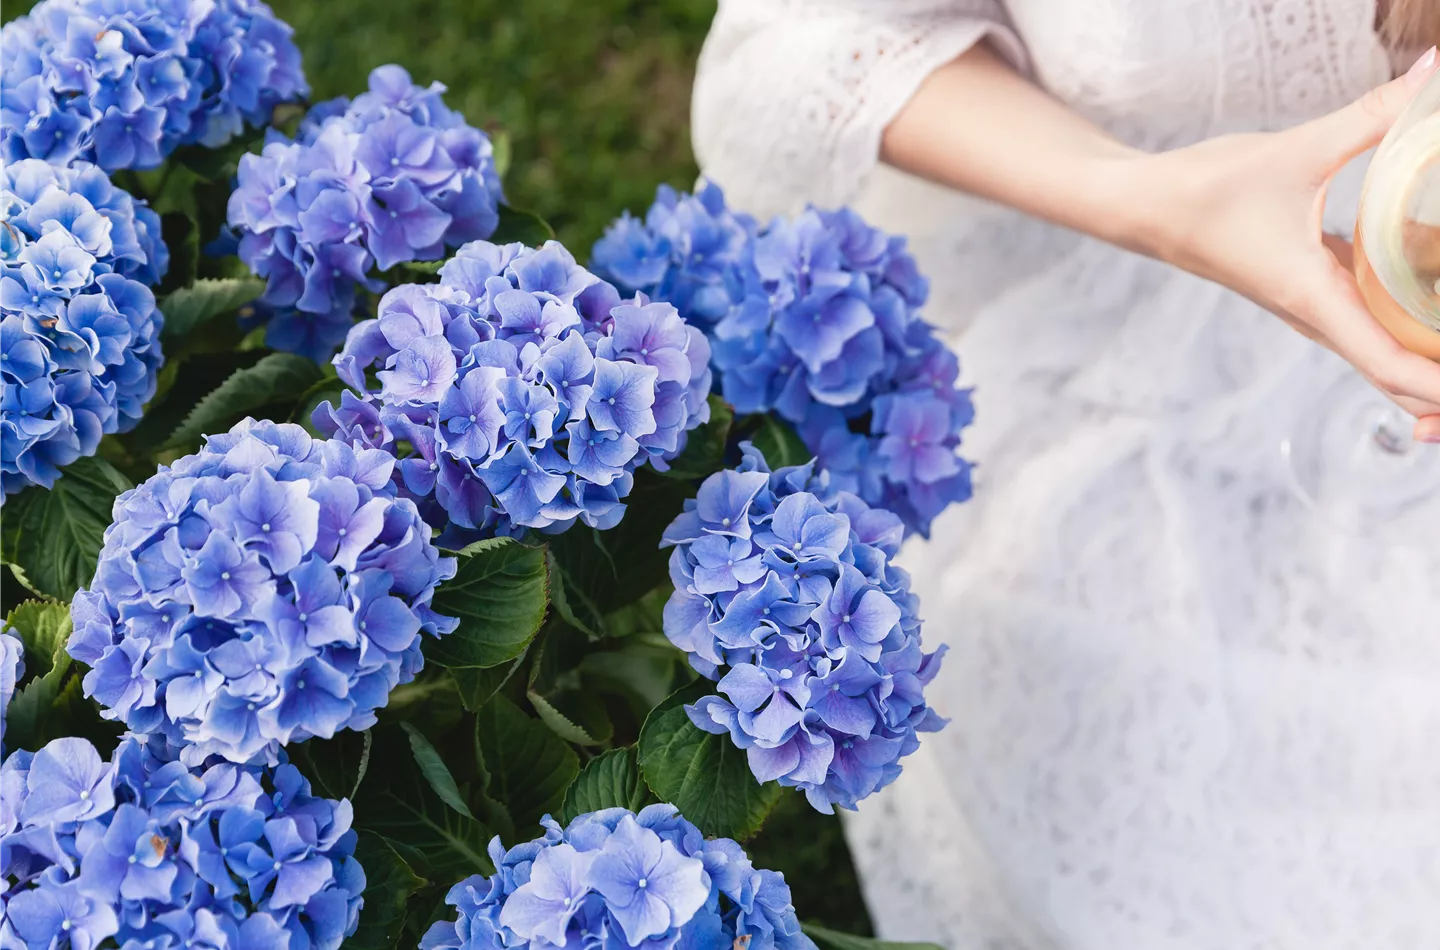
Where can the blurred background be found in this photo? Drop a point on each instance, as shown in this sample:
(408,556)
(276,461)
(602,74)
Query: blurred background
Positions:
(593,95)
(593,99)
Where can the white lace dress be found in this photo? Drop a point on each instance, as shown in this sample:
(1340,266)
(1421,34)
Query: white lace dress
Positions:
(1185,714)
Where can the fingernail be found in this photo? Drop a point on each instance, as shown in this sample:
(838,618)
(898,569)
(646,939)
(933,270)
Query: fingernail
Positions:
(1431,438)
(1423,67)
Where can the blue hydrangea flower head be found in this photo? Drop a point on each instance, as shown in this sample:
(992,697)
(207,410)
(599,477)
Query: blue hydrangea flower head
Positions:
(614,878)
(12,668)
(817,319)
(523,391)
(269,588)
(785,595)
(393,176)
(79,332)
(690,250)
(142,851)
(123,83)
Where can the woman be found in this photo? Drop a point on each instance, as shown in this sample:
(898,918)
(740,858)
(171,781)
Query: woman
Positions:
(1185,712)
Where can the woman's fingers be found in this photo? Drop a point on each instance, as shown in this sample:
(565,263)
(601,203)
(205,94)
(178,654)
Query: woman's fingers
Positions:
(1390,366)
(1417,408)
(1338,137)
(1342,250)
(1338,313)
(1427,429)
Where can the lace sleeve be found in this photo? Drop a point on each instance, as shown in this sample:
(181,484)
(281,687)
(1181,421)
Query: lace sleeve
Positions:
(791,96)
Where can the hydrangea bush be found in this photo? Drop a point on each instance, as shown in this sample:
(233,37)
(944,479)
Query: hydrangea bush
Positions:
(144,852)
(81,332)
(428,574)
(785,593)
(613,878)
(266,589)
(816,319)
(123,83)
(520,391)
(393,176)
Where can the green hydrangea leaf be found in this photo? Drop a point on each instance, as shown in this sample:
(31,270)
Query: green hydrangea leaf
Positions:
(425,267)
(571,603)
(276,380)
(476,686)
(523,226)
(502,148)
(54,535)
(328,389)
(207,298)
(615,568)
(398,802)
(704,452)
(529,766)
(390,882)
(192,380)
(610,780)
(52,706)
(573,715)
(484,544)
(499,594)
(43,626)
(643,670)
(780,444)
(703,775)
(432,766)
(28,709)
(335,766)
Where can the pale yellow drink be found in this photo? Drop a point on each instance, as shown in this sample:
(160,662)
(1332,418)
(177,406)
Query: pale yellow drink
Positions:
(1397,236)
(1413,333)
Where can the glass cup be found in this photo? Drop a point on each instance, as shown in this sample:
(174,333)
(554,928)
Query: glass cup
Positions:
(1353,459)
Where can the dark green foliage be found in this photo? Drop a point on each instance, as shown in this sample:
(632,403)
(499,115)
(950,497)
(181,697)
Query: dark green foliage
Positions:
(399,803)
(336,766)
(52,538)
(267,389)
(619,566)
(809,849)
(432,766)
(528,765)
(390,880)
(50,702)
(704,453)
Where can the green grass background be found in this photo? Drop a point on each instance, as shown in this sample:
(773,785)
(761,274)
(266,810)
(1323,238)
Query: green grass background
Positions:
(594,96)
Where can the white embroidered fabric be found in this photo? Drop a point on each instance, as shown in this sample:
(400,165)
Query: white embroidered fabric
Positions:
(1186,715)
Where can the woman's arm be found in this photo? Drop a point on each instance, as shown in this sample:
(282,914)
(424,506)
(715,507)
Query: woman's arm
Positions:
(1242,210)
(791,97)
(978,126)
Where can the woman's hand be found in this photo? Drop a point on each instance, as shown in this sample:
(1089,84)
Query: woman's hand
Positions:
(1242,210)
(1245,211)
